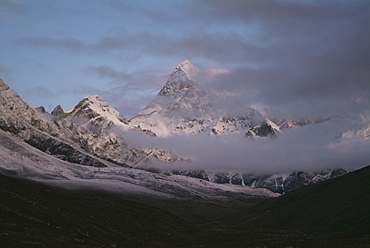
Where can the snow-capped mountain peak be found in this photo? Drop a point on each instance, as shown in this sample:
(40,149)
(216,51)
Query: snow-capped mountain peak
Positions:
(189,69)
(184,77)
(183,106)
(95,107)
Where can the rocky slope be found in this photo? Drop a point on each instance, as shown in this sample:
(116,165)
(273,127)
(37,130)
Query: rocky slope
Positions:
(39,130)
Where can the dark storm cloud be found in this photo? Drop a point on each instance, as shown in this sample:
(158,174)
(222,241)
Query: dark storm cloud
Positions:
(280,10)
(318,59)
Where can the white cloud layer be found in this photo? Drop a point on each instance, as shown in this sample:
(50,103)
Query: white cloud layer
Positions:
(309,148)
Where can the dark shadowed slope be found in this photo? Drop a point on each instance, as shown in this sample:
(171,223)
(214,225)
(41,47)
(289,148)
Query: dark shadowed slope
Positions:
(332,213)
(36,215)
(340,204)
(336,211)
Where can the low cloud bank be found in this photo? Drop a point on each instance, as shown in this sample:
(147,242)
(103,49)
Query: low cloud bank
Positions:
(332,144)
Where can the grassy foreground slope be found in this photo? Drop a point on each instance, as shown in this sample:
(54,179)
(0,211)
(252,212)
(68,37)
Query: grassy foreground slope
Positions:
(38,215)
(341,205)
(333,213)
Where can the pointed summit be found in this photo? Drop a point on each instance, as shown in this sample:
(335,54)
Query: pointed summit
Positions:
(190,70)
(41,109)
(94,107)
(58,110)
(182,78)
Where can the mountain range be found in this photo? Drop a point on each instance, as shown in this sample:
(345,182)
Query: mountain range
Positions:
(95,134)
(101,180)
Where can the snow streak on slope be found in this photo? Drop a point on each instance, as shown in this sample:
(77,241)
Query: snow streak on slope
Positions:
(97,127)
(21,159)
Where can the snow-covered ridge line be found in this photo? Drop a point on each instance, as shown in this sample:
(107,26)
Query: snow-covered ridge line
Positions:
(21,159)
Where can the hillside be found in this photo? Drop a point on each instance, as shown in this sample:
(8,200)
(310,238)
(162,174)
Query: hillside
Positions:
(333,213)
(340,204)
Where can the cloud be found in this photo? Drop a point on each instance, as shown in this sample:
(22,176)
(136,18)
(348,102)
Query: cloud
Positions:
(73,45)
(7,6)
(120,40)
(107,72)
(304,58)
(215,72)
(36,93)
(129,93)
(308,148)
(317,63)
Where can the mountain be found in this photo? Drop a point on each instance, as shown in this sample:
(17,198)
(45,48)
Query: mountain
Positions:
(88,150)
(332,213)
(78,148)
(21,159)
(339,205)
(184,106)
(278,183)
(38,129)
(96,127)
(100,129)
(94,130)
(93,127)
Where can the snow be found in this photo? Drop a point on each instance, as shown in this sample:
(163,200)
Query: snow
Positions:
(191,71)
(19,158)
(103,109)
(183,107)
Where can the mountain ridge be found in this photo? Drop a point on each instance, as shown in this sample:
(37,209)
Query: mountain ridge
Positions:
(180,108)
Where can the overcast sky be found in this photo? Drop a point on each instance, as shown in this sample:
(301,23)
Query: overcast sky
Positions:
(302,56)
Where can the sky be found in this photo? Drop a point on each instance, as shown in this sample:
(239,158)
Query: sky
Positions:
(300,56)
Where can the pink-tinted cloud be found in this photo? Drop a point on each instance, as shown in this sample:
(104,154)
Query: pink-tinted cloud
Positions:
(215,72)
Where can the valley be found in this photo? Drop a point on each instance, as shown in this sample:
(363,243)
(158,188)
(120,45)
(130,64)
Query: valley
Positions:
(184,124)
(37,215)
